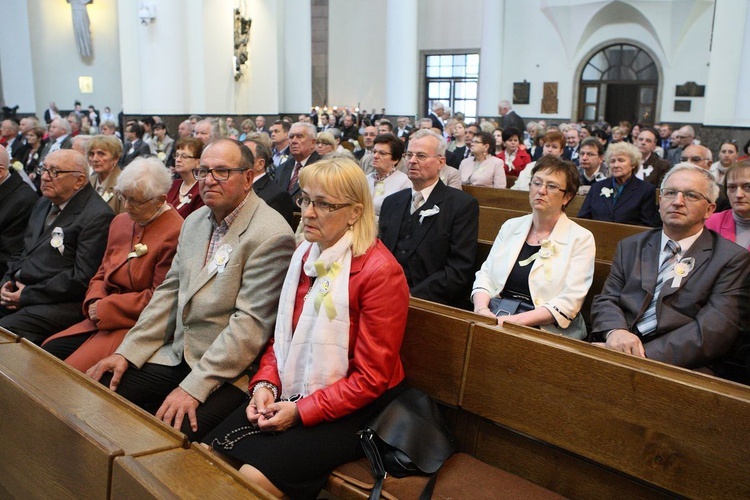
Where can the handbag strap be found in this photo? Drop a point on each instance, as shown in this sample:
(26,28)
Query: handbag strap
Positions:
(376,462)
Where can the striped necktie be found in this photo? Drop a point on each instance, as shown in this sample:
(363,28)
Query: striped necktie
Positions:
(647,323)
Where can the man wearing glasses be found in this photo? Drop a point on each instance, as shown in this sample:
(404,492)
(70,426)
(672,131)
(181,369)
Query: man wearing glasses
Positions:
(683,138)
(43,289)
(214,312)
(432,229)
(677,294)
(302,151)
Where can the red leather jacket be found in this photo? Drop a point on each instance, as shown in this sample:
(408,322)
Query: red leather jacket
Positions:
(378,306)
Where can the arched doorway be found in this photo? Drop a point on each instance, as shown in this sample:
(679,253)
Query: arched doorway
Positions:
(619,82)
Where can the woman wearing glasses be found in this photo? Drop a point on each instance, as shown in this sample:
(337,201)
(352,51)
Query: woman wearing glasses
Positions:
(541,265)
(386,179)
(483,168)
(622,198)
(184,194)
(333,361)
(734,224)
(141,244)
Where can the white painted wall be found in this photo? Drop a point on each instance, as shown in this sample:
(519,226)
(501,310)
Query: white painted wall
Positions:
(16,69)
(56,64)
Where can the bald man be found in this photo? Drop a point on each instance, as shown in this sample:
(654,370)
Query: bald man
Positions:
(42,291)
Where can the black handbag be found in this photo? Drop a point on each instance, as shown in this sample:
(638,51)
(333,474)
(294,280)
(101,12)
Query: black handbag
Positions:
(409,437)
(510,304)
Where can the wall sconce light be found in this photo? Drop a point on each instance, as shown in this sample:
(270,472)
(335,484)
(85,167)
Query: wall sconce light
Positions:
(147,13)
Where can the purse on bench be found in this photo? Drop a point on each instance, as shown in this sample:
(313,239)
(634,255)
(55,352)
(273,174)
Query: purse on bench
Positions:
(408,437)
(512,303)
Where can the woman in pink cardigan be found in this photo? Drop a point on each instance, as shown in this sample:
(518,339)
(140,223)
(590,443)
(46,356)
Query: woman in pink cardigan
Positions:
(734,224)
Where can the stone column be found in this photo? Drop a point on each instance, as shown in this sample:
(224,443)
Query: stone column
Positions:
(491,89)
(402,67)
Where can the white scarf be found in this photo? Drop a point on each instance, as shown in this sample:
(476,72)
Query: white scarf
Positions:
(316,354)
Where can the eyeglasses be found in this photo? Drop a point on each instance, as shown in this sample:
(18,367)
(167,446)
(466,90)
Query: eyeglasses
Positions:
(377,152)
(54,173)
(419,157)
(693,159)
(552,188)
(478,143)
(183,156)
(131,201)
(219,174)
(690,196)
(321,143)
(734,187)
(322,206)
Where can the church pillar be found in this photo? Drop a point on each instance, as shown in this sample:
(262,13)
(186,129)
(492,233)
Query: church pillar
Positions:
(491,90)
(402,56)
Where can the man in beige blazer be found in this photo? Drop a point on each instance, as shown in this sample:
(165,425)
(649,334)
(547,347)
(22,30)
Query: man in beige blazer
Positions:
(215,311)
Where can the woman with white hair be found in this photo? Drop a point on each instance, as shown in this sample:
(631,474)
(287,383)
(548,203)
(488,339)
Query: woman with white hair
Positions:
(142,242)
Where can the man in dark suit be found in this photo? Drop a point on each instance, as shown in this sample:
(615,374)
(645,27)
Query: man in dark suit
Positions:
(682,138)
(510,118)
(432,229)
(369,140)
(302,150)
(665,137)
(404,127)
(652,168)
(677,295)
(59,138)
(17,199)
(436,114)
(266,189)
(44,287)
(11,138)
(572,146)
(135,146)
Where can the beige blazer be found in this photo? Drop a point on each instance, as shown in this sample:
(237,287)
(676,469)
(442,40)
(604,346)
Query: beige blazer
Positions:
(109,190)
(219,319)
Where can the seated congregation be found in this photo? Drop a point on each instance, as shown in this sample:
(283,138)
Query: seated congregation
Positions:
(185,291)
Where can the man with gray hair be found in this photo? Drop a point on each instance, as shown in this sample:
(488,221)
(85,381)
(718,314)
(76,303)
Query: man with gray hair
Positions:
(677,294)
(510,118)
(43,289)
(59,138)
(436,115)
(430,228)
(302,150)
(683,137)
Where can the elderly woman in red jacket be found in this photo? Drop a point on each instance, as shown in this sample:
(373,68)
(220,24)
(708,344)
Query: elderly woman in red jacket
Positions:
(334,359)
(142,242)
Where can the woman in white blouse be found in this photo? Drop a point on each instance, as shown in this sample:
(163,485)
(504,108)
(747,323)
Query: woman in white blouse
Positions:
(543,263)
(483,168)
(385,180)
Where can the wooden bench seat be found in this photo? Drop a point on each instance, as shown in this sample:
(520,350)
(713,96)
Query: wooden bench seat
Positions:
(179,473)
(7,337)
(674,430)
(61,430)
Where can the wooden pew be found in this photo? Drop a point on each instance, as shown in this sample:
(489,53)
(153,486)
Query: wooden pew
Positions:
(179,473)
(606,234)
(61,430)
(513,200)
(660,428)
(7,337)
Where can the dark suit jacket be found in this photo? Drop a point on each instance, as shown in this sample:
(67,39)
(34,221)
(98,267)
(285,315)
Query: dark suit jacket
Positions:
(441,266)
(436,123)
(659,168)
(16,202)
(51,277)
(636,205)
(67,143)
(140,148)
(673,156)
(697,321)
(511,119)
(275,197)
(284,173)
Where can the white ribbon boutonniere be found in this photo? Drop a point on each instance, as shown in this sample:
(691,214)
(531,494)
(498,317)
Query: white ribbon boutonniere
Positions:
(221,257)
(107,195)
(161,155)
(184,200)
(681,270)
(428,213)
(57,240)
(607,192)
(547,250)
(139,250)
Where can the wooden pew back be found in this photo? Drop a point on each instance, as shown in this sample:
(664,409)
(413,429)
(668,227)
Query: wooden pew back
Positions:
(61,430)
(674,429)
(514,200)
